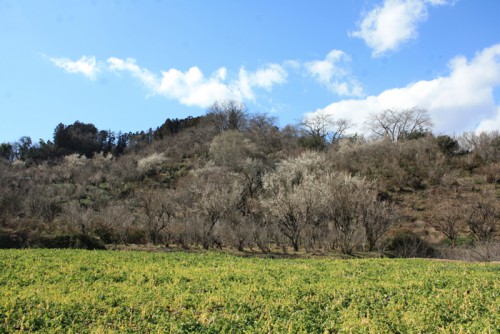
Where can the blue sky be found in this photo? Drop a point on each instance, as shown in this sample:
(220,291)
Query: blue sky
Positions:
(128,64)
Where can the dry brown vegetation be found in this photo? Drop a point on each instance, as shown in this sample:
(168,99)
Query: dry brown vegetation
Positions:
(235,180)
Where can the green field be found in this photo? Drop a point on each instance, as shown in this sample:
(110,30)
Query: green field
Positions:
(111,291)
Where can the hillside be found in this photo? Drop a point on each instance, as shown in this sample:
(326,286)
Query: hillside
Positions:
(234,180)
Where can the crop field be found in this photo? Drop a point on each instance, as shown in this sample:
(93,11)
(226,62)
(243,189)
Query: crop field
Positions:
(79,291)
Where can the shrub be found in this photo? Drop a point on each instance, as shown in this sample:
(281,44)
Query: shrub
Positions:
(447,145)
(152,164)
(486,251)
(13,239)
(408,245)
(68,241)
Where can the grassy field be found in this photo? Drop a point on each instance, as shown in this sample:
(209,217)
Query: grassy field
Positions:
(111,291)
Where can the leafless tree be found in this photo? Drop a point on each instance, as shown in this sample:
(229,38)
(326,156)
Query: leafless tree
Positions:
(399,124)
(294,210)
(159,208)
(43,201)
(484,146)
(482,217)
(231,148)
(217,193)
(261,225)
(346,200)
(394,164)
(185,225)
(118,219)
(77,219)
(448,218)
(264,133)
(321,128)
(378,217)
(228,115)
(237,229)
(292,198)
(318,124)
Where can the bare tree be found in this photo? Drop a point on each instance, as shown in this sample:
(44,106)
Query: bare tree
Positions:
(119,220)
(292,199)
(228,115)
(159,209)
(321,128)
(264,132)
(43,207)
(346,200)
(234,151)
(77,219)
(448,218)
(238,229)
(317,125)
(378,217)
(261,225)
(482,216)
(339,129)
(399,124)
(294,210)
(231,149)
(217,193)
(484,146)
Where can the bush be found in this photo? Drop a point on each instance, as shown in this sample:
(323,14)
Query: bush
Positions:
(152,164)
(135,236)
(68,241)
(408,245)
(13,239)
(21,239)
(486,251)
(447,145)
(491,172)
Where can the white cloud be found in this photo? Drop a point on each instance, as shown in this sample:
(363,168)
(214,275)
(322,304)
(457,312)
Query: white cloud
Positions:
(193,88)
(85,65)
(386,27)
(333,74)
(129,65)
(268,76)
(461,101)
(490,124)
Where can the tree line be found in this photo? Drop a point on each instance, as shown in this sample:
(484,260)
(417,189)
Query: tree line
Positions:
(85,139)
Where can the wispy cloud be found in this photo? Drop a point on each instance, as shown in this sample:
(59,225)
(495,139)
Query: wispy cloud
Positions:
(194,88)
(461,101)
(334,74)
(389,25)
(87,66)
(191,87)
(129,65)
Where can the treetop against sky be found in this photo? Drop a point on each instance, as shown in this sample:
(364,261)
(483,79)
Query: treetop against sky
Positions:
(128,65)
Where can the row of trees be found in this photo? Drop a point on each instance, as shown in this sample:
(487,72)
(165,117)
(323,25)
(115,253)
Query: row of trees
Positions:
(85,139)
(302,203)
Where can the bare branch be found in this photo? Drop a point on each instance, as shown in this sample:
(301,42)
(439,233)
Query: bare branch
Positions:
(399,124)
